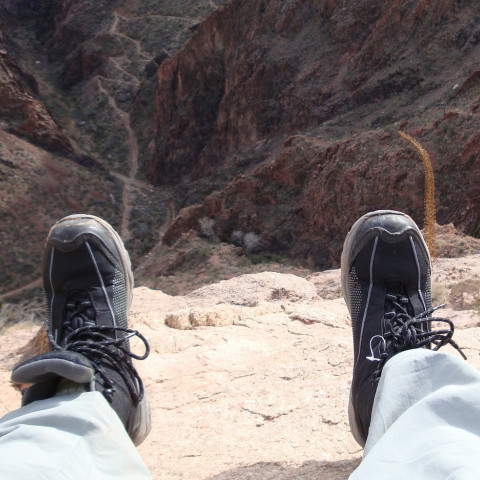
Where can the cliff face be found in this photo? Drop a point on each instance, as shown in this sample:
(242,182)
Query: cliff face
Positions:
(70,72)
(21,111)
(277,117)
(25,114)
(290,111)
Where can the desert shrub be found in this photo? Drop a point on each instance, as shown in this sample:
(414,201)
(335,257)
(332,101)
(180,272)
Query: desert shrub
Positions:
(251,242)
(268,257)
(23,311)
(207,228)
(439,294)
(237,238)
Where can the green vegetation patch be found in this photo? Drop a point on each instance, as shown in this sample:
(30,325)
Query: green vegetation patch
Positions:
(157,33)
(172,8)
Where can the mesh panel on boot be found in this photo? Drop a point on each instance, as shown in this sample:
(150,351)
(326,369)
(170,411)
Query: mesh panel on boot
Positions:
(355,296)
(120,299)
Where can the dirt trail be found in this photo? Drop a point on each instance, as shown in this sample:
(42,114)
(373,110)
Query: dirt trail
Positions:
(132,181)
(132,146)
(17,291)
(114,31)
(131,140)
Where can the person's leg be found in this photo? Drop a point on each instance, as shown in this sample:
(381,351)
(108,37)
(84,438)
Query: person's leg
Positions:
(424,419)
(86,395)
(75,436)
(386,285)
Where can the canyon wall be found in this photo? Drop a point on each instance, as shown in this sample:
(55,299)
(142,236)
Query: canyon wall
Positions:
(281,117)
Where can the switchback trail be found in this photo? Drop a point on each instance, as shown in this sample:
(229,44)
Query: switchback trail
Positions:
(132,147)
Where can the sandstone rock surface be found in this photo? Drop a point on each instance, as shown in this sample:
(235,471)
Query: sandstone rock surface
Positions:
(263,395)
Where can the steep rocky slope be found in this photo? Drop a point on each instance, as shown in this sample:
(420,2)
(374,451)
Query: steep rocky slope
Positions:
(39,179)
(69,75)
(23,114)
(275,122)
(280,118)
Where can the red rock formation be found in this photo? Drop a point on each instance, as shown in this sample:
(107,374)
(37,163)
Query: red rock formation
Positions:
(25,114)
(303,200)
(81,66)
(346,73)
(256,69)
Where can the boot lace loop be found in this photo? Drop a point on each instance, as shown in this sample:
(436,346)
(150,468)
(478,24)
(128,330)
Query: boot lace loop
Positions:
(403,332)
(106,347)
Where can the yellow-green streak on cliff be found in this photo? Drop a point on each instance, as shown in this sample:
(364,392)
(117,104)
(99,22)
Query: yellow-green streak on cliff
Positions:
(429,194)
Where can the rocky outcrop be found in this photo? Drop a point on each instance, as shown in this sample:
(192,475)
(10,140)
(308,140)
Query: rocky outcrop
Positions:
(247,380)
(289,112)
(24,114)
(64,25)
(86,61)
(21,111)
(257,69)
(82,65)
(305,198)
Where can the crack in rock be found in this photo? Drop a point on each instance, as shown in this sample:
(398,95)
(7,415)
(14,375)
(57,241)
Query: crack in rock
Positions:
(209,397)
(310,321)
(243,376)
(327,421)
(266,417)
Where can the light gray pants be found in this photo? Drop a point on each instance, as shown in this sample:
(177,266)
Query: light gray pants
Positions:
(77,436)
(425,420)
(425,425)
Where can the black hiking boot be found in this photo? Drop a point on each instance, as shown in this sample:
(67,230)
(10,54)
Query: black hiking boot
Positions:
(386,285)
(88,281)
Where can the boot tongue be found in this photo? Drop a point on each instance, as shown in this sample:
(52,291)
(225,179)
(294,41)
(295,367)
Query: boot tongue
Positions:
(397,295)
(79,312)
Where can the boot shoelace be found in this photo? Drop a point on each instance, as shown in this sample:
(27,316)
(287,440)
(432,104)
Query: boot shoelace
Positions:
(78,314)
(99,343)
(403,332)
